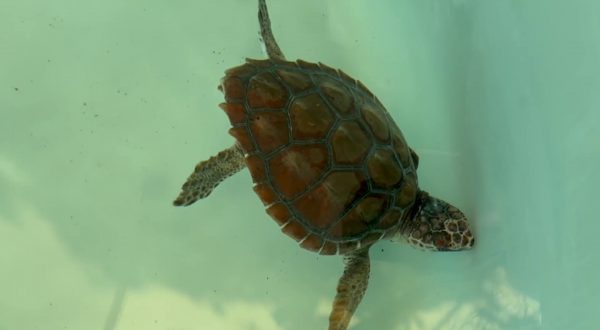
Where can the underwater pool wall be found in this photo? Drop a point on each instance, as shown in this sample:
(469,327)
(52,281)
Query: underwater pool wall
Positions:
(105,108)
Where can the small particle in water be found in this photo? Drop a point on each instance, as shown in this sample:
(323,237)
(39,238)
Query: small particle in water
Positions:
(381,250)
(267,278)
(96,115)
(85,104)
(16,89)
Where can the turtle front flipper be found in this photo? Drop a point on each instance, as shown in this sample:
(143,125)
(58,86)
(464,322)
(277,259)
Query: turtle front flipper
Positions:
(351,289)
(209,173)
(266,34)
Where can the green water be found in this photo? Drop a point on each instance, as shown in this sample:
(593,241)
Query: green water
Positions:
(105,107)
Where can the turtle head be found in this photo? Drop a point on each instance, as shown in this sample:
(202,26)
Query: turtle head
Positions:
(437,226)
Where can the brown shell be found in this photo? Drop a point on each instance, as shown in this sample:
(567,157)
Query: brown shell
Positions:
(327,160)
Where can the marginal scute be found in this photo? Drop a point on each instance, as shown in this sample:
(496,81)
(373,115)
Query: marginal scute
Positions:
(296,80)
(269,130)
(400,147)
(325,203)
(260,63)
(346,77)
(376,119)
(279,212)
(241,71)
(329,248)
(240,133)
(265,193)
(266,92)
(364,88)
(233,88)
(312,243)
(350,143)
(328,69)
(415,158)
(235,112)
(383,168)
(308,65)
(297,167)
(338,95)
(380,105)
(311,119)
(295,230)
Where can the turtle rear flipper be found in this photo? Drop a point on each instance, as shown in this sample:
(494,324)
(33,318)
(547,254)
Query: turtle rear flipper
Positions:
(351,289)
(209,173)
(266,34)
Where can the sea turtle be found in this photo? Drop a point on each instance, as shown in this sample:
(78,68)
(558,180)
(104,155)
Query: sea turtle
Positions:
(328,162)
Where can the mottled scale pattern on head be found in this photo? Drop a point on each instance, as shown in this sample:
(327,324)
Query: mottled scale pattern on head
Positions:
(437,226)
(327,160)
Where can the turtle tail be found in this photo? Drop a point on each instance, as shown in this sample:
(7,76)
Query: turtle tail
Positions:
(266,34)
